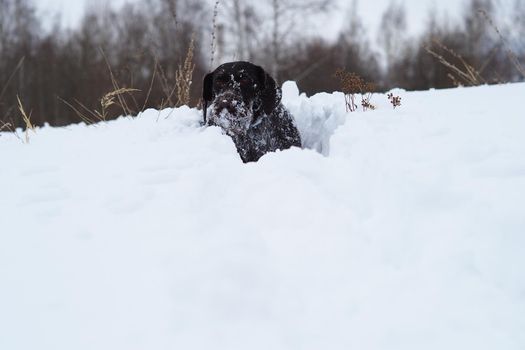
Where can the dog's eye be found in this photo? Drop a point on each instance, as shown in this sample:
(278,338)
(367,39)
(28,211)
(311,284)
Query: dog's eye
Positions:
(245,81)
(221,81)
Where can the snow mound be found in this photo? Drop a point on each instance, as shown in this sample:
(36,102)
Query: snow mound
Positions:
(317,117)
(393,229)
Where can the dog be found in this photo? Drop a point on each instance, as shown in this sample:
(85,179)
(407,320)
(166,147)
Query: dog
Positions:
(245,102)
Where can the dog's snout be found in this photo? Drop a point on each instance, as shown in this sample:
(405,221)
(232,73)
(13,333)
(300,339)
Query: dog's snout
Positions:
(227,101)
(222,103)
(226,104)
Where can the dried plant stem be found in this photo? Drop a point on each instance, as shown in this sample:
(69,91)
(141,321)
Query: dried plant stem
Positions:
(165,85)
(90,112)
(18,66)
(173,10)
(512,56)
(5,126)
(8,127)
(214,32)
(350,102)
(351,85)
(184,75)
(150,85)
(394,100)
(91,117)
(469,75)
(109,99)
(365,101)
(26,118)
(116,87)
(81,115)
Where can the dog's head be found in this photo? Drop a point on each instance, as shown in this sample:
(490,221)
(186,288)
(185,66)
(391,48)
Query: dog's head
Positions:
(239,93)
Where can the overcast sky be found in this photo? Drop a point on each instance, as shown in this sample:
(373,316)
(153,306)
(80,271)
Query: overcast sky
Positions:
(370,11)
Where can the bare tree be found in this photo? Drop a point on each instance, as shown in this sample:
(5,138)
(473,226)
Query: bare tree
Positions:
(285,15)
(355,50)
(518,25)
(243,20)
(19,30)
(392,31)
(239,30)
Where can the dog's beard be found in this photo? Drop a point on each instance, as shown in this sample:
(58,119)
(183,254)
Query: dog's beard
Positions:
(235,119)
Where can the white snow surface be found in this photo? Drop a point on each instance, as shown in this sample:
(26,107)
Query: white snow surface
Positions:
(405,231)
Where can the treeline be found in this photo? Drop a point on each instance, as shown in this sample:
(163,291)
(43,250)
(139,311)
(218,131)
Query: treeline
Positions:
(147,53)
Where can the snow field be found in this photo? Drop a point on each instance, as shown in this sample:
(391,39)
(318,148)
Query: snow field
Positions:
(395,230)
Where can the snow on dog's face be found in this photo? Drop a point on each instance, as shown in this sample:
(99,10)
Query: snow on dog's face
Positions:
(232,108)
(239,93)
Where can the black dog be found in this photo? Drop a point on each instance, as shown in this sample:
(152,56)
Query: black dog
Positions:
(246,104)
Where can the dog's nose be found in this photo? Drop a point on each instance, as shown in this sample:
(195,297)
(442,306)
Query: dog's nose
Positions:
(226,104)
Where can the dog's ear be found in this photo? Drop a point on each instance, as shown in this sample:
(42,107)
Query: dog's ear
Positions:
(207,93)
(207,87)
(270,92)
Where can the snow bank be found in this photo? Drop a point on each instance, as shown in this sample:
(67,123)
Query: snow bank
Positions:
(395,230)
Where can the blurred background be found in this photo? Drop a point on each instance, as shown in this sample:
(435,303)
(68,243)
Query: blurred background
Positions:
(64,62)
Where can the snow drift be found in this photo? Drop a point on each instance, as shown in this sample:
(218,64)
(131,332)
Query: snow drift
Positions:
(393,230)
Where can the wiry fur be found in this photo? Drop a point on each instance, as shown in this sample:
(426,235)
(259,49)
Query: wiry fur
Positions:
(246,103)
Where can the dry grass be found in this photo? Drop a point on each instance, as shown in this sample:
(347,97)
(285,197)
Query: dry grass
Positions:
(167,88)
(110,99)
(117,97)
(178,93)
(5,126)
(89,116)
(460,74)
(26,118)
(9,127)
(512,56)
(351,85)
(154,75)
(82,115)
(6,84)
(184,76)
(116,88)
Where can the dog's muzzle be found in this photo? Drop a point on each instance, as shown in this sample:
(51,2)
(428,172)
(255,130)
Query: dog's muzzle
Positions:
(231,114)
(228,102)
